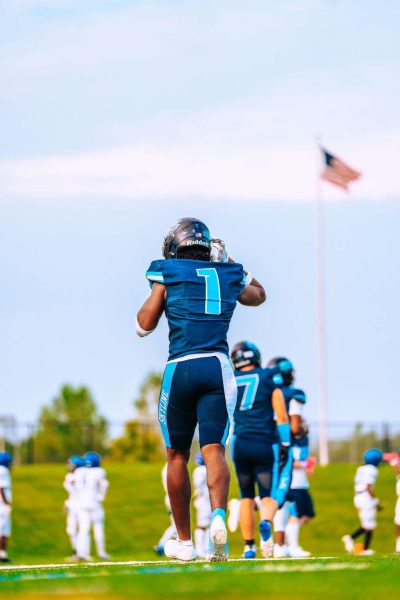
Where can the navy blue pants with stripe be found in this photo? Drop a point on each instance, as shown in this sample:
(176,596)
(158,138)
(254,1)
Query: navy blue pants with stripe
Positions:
(257,463)
(192,393)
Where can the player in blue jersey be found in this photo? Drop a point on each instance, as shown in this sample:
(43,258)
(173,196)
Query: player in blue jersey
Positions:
(197,286)
(295,400)
(260,445)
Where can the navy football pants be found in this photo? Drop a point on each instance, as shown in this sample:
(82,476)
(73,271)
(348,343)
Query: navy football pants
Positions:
(201,391)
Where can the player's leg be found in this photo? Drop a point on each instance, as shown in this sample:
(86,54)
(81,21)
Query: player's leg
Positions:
(217,399)
(301,511)
(280,521)
(201,533)
(397,523)
(177,417)
(99,533)
(83,538)
(266,472)
(244,467)
(72,527)
(5,532)
(168,534)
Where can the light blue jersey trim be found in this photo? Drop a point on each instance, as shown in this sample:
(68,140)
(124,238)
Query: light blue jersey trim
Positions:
(275,470)
(164,401)
(285,478)
(155,276)
(226,432)
(233,440)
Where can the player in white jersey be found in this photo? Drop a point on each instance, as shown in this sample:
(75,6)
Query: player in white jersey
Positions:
(91,486)
(5,503)
(71,504)
(202,506)
(393,459)
(170,533)
(365,500)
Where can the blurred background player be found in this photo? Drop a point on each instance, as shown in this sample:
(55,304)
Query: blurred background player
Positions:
(295,400)
(202,506)
(198,290)
(260,445)
(71,503)
(393,459)
(299,500)
(5,503)
(91,485)
(170,532)
(365,501)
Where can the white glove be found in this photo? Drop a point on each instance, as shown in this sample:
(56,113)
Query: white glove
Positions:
(218,251)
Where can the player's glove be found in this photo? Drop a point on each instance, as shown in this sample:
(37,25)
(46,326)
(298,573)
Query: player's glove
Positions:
(218,251)
(283,455)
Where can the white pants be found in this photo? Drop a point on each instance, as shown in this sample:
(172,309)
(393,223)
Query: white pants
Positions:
(88,518)
(281,518)
(203,511)
(366,506)
(397,513)
(5,520)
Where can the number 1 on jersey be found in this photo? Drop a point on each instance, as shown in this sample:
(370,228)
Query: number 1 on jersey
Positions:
(213,291)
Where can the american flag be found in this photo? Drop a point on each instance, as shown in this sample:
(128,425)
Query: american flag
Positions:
(337,172)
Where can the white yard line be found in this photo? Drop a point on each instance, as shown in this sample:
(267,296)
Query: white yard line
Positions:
(157,563)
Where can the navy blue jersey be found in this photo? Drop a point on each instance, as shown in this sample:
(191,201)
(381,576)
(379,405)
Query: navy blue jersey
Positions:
(302,446)
(292,393)
(254,415)
(200,300)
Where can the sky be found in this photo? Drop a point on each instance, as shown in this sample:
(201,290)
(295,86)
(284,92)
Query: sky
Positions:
(119,117)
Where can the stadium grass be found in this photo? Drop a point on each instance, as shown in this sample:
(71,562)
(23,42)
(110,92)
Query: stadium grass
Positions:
(136,517)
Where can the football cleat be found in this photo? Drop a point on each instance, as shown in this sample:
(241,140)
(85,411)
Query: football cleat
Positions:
(181,550)
(281,551)
(298,552)
(218,542)
(368,552)
(249,551)
(105,556)
(348,543)
(266,542)
(159,550)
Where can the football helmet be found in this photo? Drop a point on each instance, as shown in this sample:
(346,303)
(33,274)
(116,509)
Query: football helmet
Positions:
(76,461)
(92,459)
(186,233)
(285,367)
(244,354)
(5,459)
(373,456)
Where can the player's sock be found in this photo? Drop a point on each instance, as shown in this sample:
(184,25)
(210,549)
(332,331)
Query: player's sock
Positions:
(206,536)
(267,542)
(199,542)
(3,554)
(292,533)
(358,532)
(249,542)
(368,538)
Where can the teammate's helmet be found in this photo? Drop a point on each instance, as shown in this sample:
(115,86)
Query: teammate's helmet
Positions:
(285,367)
(92,459)
(187,235)
(373,456)
(5,459)
(76,461)
(199,459)
(244,354)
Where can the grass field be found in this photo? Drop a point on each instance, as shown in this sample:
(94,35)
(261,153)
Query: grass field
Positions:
(136,518)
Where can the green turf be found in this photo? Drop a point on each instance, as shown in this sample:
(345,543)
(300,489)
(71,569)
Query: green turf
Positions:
(136,515)
(341,578)
(136,518)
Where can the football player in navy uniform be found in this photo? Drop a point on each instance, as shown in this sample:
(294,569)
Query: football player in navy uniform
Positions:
(197,286)
(260,445)
(295,400)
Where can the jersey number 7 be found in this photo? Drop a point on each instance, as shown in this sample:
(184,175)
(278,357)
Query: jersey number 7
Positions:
(250,383)
(213,291)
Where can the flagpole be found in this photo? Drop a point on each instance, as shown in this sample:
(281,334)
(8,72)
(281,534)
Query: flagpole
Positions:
(321,319)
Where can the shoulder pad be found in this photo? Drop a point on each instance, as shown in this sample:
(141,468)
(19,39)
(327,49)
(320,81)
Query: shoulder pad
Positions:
(155,272)
(299,395)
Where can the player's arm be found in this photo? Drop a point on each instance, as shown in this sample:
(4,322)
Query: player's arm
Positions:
(253,293)
(3,496)
(370,490)
(150,312)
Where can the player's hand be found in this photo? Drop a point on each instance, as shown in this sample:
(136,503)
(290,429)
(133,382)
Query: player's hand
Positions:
(283,455)
(218,251)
